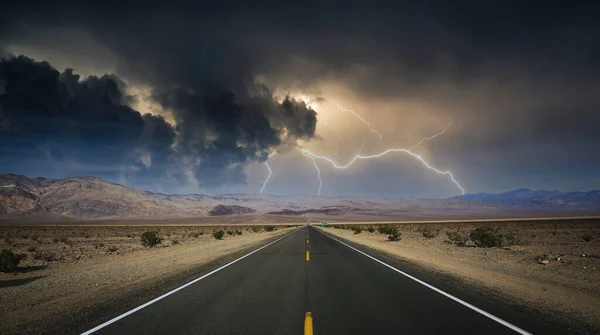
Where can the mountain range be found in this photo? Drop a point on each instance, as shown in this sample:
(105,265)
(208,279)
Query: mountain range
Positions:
(91,197)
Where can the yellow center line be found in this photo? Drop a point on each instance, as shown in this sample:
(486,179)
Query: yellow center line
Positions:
(308,324)
(307,256)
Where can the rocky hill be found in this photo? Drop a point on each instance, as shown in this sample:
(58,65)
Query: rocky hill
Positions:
(539,199)
(90,197)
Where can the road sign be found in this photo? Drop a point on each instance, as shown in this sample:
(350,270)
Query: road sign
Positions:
(323,224)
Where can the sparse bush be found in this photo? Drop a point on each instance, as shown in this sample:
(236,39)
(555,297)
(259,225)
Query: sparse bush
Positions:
(457,237)
(357,230)
(387,229)
(196,234)
(8,240)
(9,260)
(487,237)
(35,237)
(396,236)
(587,237)
(175,241)
(150,239)
(269,228)
(55,240)
(256,229)
(112,248)
(229,232)
(239,232)
(31,248)
(430,232)
(370,229)
(218,234)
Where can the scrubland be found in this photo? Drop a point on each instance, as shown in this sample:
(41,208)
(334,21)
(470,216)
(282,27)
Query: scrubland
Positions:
(552,266)
(64,272)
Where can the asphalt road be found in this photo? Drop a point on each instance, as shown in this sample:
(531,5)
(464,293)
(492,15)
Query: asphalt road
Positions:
(346,292)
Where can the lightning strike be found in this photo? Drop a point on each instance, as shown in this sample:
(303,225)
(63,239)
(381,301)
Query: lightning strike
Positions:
(431,137)
(362,120)
(270,172)
(361,157)
(318,171)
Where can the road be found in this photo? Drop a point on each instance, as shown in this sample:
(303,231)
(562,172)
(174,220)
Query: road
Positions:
(346,292)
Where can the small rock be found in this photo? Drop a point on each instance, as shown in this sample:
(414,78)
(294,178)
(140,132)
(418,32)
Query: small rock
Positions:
(582,255)
(558,259)
(544,262)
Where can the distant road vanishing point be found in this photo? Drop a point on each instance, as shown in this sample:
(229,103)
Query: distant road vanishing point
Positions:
(309,282)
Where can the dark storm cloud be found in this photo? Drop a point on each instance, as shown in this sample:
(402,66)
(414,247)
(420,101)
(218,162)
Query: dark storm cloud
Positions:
(223,129)
(510,74)
(60,116)
(89,119)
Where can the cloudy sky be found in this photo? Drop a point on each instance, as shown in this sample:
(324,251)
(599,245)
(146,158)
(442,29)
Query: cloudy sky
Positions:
(195,98)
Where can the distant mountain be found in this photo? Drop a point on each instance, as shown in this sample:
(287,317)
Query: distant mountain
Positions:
(90,197)
(526,198)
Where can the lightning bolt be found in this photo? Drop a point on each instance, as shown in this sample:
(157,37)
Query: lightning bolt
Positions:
(270,172)
(362,120)
(361,157)
(318,171)
(431,137)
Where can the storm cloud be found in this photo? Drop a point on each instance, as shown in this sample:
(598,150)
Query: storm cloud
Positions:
(518,81)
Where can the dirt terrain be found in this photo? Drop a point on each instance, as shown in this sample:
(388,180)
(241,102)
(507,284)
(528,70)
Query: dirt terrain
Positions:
(551,266)
(70,269)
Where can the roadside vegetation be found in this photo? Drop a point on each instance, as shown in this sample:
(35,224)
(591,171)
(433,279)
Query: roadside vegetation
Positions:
(484,236)
(218,235)
(150,239)
(9,261)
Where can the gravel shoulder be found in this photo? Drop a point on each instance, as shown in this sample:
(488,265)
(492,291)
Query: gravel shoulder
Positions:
(552,270)
(83,283)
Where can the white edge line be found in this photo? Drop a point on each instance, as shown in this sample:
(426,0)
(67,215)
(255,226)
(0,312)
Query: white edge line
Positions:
(448,295)
(117,318)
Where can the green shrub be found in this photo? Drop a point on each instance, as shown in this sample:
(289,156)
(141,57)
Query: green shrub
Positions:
(269,228)
(430,232)
(256,229)
(357,230)
(395,236)
(457,237)
(387,229)
(218,234)
(150,239)
(229,232)
(487,237)
(9,260)
(239,232)
(370,229)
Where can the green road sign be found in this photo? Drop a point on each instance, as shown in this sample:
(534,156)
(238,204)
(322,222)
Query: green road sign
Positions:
(323,224)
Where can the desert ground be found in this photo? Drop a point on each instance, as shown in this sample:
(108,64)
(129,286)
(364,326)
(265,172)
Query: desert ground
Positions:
(552,266)
(79,272)
(71,273)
